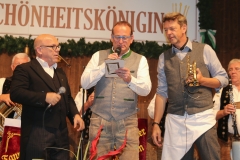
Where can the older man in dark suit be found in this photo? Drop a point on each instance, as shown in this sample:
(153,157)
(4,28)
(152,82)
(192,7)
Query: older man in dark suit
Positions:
(35,86)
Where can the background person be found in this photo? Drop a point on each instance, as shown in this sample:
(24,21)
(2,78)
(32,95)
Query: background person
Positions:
(5,83)
(115,104)
(223,105)
(190,117)
(35,86)
(88,103)
(87,110)
(88,99)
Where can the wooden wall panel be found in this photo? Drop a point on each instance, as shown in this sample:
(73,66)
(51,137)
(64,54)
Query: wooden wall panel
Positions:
(226,15)
(5,65)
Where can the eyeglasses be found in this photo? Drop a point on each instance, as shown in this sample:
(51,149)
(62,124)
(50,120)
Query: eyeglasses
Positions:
(124,38)
(53,47)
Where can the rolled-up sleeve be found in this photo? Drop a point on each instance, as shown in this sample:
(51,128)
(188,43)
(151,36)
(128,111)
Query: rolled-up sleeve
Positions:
(162,82)
(215,67)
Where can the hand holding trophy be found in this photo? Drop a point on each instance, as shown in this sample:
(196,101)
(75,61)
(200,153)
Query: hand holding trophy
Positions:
(192,80)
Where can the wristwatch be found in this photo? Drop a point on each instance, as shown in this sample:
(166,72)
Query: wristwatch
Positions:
(155,123)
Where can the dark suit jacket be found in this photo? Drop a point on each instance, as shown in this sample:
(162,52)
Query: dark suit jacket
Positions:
(29,87)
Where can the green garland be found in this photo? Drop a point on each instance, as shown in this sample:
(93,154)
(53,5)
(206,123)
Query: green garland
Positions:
(72,48)
(205,17)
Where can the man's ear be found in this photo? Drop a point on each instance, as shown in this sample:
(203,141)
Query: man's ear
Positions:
(12,67)
(38,49)
(184,28)
(132,38)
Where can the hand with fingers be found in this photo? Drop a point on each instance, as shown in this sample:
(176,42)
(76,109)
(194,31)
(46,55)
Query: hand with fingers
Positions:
(6,99)
(229,109)
(156,136)
(125,74)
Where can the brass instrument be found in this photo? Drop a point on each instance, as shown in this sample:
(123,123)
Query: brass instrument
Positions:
(192,73)
(5,110)
(236,135)
(60,57)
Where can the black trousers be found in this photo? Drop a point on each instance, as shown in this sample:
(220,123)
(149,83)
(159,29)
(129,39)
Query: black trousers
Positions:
(48,144)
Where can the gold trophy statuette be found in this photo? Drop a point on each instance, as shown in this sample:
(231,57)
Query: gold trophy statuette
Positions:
(192,74)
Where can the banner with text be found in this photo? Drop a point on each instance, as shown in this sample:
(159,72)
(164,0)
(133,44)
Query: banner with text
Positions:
(92,19)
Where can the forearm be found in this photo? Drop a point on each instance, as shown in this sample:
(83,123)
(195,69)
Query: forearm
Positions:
(209,82)
(142,84)
(1,98)
(142,87)
(85,107)
(22,95)
(160,104)
(220,114)
(92,75)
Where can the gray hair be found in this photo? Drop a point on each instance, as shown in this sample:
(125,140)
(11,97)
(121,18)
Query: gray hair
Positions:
(235,60)
(20,55)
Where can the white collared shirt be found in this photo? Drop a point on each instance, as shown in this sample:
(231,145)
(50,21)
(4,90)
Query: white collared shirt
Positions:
(2,80)
(47,69)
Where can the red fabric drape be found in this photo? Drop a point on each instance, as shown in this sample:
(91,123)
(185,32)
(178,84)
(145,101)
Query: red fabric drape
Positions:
(10,148)
(143,128)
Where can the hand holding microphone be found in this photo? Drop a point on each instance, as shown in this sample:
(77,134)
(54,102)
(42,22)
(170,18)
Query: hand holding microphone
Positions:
(118,50)
(114,56)
(53,98)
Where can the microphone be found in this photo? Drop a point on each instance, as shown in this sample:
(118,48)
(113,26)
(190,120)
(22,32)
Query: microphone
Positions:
(118,50)
(61,90)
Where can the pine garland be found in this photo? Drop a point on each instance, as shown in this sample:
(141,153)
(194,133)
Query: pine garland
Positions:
(205,17)
(12,45)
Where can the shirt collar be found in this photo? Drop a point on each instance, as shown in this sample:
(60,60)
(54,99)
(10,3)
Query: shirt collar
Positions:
(45,64)
(186,48)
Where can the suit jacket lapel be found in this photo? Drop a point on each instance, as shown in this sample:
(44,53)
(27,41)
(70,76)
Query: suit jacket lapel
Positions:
(35,65)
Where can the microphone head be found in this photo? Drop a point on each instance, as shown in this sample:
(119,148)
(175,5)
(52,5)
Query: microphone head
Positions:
(118,50)
(62,90)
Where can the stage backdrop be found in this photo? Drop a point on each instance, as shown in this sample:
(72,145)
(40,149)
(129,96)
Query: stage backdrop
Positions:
(92,19)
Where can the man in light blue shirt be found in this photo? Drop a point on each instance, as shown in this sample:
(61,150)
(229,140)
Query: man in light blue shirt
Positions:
(190,117)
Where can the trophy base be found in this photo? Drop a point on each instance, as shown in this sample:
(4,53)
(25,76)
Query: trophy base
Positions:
(193,84)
